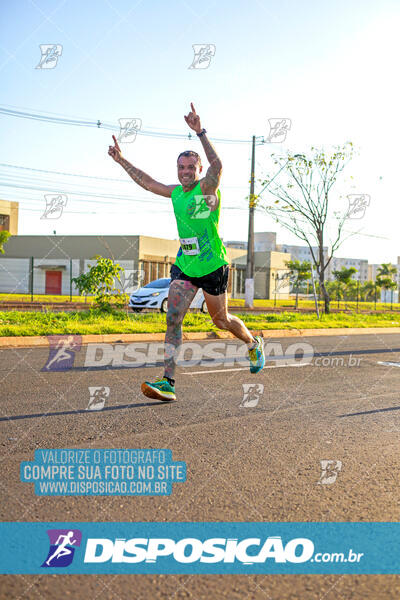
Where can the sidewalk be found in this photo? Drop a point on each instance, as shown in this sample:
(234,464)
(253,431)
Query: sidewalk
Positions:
(127,338)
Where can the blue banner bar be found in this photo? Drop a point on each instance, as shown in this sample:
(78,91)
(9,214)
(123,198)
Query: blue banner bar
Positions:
(206,548)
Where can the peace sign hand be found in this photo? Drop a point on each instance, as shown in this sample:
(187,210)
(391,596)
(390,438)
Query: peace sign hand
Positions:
(115,151)
(193,120)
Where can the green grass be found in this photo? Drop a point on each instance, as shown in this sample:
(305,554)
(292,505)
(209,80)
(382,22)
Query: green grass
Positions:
(42,298)
(14,323)
(235,302)
(343,305)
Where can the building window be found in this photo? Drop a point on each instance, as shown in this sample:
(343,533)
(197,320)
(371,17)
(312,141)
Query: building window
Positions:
(4,222)
(154,270)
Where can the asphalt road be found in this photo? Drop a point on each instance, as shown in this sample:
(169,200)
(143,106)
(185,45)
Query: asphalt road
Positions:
(249,458)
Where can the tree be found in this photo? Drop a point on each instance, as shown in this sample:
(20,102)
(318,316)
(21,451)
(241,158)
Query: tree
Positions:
(343,278)
(100,281)
(351,289)
(335,289)
(386,272)
(368,290)
(4,236)
(344,275)
(302,189)
(301,271)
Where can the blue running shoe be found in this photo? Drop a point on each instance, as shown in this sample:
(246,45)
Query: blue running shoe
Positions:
(256,356)
(161,389)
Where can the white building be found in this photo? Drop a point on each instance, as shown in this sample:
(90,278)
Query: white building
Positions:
(360,264)
(266,241)
(263,242)
(301,253)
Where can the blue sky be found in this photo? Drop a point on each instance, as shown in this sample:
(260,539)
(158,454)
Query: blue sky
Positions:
(330,67)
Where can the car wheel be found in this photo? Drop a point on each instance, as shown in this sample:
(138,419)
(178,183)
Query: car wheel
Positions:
(164,305)
(204,308)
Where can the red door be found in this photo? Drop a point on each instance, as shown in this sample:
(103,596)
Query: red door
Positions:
(53,282)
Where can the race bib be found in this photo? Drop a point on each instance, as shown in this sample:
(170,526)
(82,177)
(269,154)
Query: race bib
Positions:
(190,246)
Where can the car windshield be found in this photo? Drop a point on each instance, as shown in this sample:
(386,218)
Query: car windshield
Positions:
(158,283)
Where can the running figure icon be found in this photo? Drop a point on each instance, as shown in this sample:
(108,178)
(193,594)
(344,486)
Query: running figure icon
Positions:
(62,549)
(62,352)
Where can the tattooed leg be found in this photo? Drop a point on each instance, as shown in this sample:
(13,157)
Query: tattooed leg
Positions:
(181,294)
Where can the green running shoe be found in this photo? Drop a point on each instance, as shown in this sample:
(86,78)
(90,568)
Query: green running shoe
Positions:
(161,389)
(256,356)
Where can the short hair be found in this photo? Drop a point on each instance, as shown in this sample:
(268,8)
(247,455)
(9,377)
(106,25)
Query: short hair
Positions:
(190,153)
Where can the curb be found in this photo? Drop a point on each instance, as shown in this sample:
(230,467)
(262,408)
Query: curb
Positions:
(114,338)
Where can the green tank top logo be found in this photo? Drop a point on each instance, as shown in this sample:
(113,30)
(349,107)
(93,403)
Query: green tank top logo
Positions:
(202,250)
(197,208)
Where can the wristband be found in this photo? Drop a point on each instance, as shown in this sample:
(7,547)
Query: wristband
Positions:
(202,132)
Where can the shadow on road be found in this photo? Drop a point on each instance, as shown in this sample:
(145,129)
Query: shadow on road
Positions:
(370,412)
(83,411)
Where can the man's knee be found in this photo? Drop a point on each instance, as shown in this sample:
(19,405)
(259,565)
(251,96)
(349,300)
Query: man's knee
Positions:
(222,322)
(174,317)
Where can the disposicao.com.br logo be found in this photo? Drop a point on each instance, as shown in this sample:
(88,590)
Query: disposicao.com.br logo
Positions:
(191,550)
(248,551)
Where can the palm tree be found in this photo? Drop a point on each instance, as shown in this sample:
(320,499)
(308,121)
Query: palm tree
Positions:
(386,273)
(368,289)
(386,270)
(301,271)
(343,278)
(351,289)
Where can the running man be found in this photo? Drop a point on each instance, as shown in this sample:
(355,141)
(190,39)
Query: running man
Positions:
(201,260)
(62,549)
(62,351)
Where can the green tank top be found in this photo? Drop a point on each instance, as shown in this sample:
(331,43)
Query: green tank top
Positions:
(202,250)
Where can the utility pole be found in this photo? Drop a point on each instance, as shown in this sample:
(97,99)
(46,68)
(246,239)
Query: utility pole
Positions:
(249,283)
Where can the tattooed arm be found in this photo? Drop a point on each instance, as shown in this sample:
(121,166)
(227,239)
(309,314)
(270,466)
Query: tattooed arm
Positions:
(138,176)
(145,181)
(209,184)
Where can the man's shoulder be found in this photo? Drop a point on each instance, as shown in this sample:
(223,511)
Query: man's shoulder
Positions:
(175,187)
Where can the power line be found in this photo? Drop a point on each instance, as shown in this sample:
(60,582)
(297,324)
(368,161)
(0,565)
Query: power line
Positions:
(109,126)
(87,195)
(91,212)
(57,191)
(94,196)
(113,179)
(123,210)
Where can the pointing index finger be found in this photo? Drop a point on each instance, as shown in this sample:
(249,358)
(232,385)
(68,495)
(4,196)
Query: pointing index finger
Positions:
(193,109)
(116,143)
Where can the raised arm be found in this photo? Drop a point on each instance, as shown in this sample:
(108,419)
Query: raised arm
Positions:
(210,182)
(138,176)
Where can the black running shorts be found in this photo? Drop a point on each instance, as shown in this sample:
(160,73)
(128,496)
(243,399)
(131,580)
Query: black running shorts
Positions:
(214,283)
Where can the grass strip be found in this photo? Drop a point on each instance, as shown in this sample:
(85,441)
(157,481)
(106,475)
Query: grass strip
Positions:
(15,323)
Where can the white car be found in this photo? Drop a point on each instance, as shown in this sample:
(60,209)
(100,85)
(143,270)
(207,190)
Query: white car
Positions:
(155,295)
